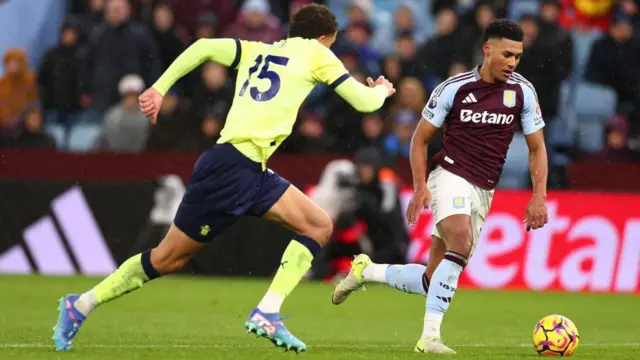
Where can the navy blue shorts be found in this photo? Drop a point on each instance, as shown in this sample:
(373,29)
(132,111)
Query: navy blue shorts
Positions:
(225,185)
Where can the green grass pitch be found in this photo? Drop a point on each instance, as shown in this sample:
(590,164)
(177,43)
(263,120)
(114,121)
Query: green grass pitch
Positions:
(203,318)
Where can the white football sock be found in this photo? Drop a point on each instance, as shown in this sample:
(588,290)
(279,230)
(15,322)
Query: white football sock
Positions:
(270,303)
(86,303)
(407,278)
(375,273)
(432,323)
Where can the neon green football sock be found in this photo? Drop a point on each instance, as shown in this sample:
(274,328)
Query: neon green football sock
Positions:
(130,276)
(295,263)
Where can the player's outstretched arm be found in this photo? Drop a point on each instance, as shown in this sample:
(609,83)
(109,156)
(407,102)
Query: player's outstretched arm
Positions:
(328,69)
(223,51)
(362,98)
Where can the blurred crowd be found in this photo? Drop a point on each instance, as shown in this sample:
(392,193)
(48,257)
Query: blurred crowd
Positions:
(83,95)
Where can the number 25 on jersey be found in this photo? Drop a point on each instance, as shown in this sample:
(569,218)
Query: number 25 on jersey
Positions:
(265,73)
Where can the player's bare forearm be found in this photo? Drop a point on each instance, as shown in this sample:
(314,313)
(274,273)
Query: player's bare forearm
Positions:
(221,51)
(538,165)
(418,153)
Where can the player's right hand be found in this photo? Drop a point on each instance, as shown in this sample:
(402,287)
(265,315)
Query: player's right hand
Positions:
(150,103)
(381,80)
(420,200)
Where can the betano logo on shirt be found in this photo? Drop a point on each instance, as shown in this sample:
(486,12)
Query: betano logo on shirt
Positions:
(485,117)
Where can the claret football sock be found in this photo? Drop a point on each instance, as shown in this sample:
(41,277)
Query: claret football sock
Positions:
(408,278)
(442,288)
(295,263)
(131,275)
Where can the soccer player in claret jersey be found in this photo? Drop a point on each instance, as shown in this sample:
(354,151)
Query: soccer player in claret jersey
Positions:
(479,112)
(231,179)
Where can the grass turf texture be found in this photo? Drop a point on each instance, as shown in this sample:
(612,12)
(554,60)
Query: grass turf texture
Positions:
(200,318)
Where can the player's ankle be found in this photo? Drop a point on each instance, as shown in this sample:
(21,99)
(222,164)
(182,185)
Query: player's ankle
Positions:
(86,303)
(432,324)
(271,303)
(375,273)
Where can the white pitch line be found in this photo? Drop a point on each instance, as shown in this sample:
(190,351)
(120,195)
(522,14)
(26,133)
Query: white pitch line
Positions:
(319,346)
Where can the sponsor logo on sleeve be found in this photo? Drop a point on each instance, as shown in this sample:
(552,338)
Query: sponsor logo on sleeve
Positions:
(433,103)
(427,114)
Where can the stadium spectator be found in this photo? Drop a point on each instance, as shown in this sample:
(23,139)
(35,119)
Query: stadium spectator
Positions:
(188,13)
(355,40)
(457,68)
(631,8)
(293,7)
(614,61)
(59,78)
(379,207)
(410,96)
(342,120)
(541,66)
(555,35)
(18,88)
(30,134)
(469,49)
(119,46)
(210,126)
(406,49)
(125,128)
(616,141)
(144,11)
(372,135)
(392,68)
(92,17)
(214,88)
(404,21)
(256,23)
(437,53)
(173,125)
(311,136)
(380,22)
(397,144)
(207,26)
(282,9)
(170,45)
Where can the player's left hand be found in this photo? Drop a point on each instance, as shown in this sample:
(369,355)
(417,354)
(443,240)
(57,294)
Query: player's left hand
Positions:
(536,213)
(150,103)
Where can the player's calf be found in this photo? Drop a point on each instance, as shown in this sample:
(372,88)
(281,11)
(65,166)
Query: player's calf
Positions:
(443,285)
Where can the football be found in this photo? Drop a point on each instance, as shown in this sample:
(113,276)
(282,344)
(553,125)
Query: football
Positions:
(555,335)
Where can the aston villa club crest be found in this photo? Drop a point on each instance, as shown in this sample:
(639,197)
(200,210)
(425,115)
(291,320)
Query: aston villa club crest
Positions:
(509,98)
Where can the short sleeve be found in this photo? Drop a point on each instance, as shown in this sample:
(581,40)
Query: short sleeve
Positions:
(531,116)
(440,104)
(326,68)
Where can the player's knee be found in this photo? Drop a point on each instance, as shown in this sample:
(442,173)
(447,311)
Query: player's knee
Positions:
(459,238)
(320,229)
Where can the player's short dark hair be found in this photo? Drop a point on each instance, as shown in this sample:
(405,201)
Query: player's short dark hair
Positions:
(504,29)
(312,21)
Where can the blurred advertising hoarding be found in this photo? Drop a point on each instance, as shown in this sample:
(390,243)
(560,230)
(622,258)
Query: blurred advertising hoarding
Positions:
(591,243)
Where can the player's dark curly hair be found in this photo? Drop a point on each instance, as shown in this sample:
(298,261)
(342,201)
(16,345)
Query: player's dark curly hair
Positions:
(504,29)
(312,21)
